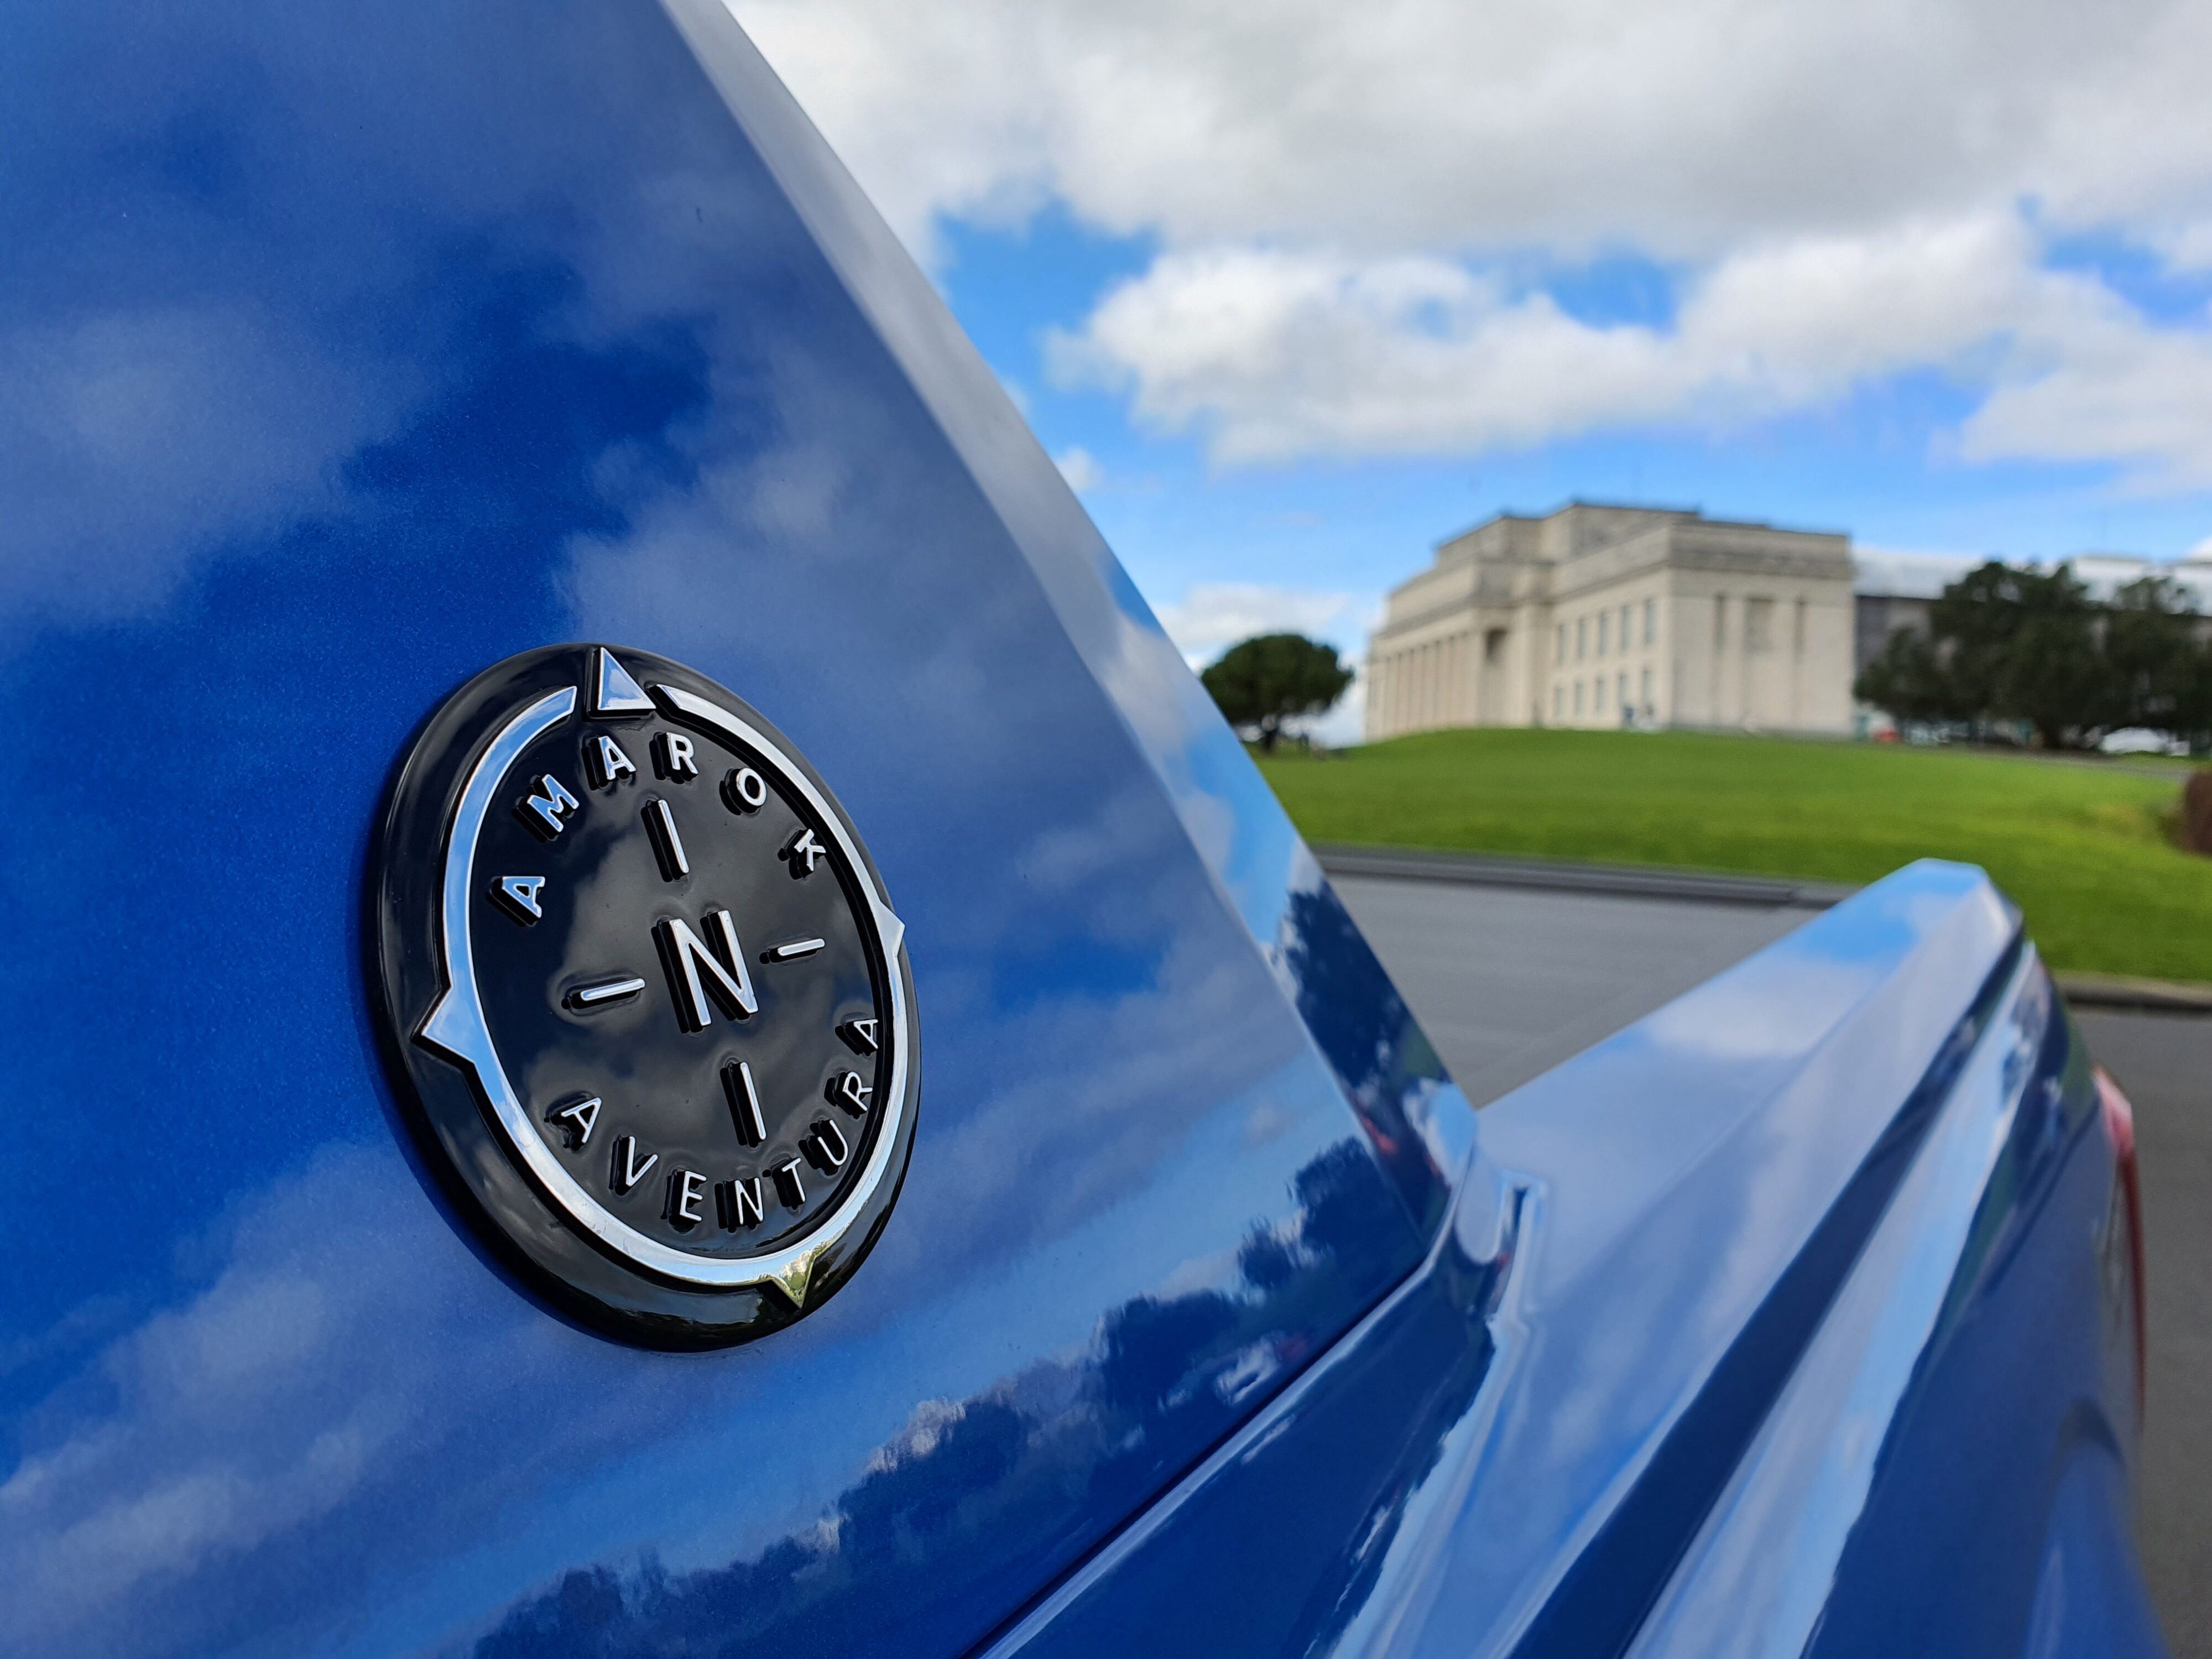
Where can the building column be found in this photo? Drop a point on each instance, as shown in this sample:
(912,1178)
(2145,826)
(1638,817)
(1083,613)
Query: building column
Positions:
(1797,665)
(1716,714)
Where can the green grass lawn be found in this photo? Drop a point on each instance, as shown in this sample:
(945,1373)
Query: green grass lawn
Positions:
(2086,850)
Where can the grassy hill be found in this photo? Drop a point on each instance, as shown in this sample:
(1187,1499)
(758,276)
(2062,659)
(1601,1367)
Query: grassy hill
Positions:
(2085,848)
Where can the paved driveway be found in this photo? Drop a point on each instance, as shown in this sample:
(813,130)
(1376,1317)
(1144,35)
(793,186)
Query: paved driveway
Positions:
(1509,981)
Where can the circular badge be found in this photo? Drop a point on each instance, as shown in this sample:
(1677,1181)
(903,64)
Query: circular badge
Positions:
(646,999)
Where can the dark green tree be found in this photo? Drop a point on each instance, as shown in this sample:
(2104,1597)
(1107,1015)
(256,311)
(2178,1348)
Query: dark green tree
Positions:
(2001,644)
(2153,657)
(1972,622)
(2050,672)
(2192,716)
(1271,677)
(1911,681)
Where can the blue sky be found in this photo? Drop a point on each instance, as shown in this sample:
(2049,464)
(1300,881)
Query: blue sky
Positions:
(1294,291)
(1874,462)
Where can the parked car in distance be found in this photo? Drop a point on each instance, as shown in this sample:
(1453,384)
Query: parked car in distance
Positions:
(2142,740)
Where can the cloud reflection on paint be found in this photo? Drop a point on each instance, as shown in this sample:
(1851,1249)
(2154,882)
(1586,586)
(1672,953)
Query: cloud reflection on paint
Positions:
(594,379)
(296,1409)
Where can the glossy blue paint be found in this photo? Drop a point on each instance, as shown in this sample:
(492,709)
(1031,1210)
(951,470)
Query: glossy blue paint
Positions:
(344,356)
(344,352)
(1680,1383)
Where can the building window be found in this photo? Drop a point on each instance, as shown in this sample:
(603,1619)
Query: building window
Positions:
(1650,620)
(1604,627)
(1622,704)
(1582,645)
(1578,698)
(1646,698)
(1558,701)
(1626,636)
(1493,647)
(1560,655)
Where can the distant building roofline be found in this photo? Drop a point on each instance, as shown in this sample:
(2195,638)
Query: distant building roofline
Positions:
(1658,510)
(1907,572)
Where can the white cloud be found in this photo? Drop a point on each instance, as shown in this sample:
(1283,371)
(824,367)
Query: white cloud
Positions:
(1278,353)
(134,442)
(1080,468)
(1340,195)
(1428,124)
(2116,391)
(1211,616)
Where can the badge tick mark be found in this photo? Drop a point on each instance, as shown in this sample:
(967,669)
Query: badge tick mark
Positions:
(667,845)
(602,994)
(745,1102)
(797,950)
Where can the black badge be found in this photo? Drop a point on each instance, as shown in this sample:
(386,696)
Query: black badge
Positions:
(644,996)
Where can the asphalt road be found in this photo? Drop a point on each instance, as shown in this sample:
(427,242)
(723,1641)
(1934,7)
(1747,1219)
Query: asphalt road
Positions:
(1509,981)
(2164,1064)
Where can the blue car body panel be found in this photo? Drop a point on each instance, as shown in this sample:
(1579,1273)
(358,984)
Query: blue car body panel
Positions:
(344,353)
(1726,1362)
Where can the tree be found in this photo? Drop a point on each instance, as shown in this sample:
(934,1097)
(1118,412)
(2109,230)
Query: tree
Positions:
(2051,673)
(2194,718)
(1972,624)
(1271,677)
(1911,681)
(2150,644)
(2022,645)
(2004,644)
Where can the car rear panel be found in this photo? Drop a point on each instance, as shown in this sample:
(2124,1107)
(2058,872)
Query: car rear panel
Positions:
(349,352)
(1790,1319)
(344,352)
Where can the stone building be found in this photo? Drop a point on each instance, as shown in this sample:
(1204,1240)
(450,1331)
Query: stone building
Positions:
(1597,615)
